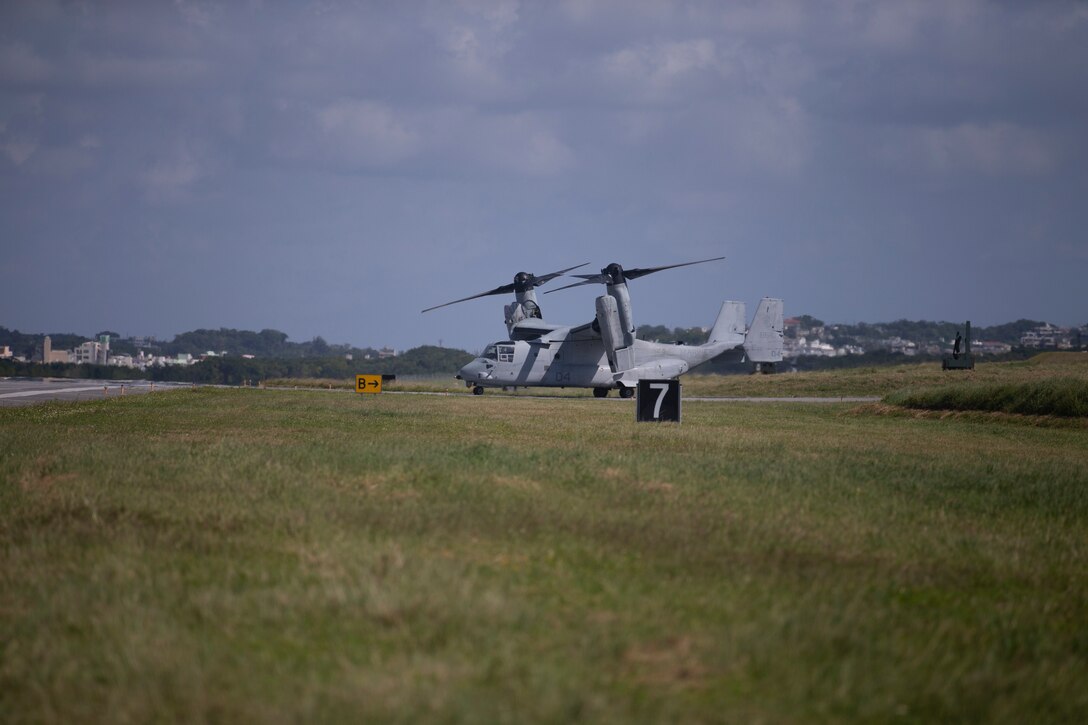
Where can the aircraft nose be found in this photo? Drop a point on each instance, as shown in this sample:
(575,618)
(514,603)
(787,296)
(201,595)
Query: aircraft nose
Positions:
(470,371)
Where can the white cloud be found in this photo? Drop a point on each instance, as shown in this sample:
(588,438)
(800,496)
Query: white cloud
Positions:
(171,176)
(475,38)
(21,64)
(193,13)
(18,150)
(994,149)
(902,25)
(769,17)
(592,12)
(532,149)
(462,141)
(769,135)
(470,142)
(366,132)
(61,162)
(153,73)
(660,71)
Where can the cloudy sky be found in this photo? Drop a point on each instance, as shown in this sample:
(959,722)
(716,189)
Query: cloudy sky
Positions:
(333,168)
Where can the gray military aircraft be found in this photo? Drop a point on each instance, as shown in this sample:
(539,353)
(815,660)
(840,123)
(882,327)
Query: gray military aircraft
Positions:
(604,354)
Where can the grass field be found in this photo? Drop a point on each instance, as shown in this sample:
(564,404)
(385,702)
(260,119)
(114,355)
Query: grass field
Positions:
(282,555)
(862,381)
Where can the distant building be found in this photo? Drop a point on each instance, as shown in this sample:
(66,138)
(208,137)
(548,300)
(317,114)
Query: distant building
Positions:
(386,352)
(990,347)
(804,347)
(5,352)
(901,346)
(88,353)
(49,355)
(1047,336)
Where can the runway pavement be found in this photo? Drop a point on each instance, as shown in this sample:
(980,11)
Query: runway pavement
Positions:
(28,391)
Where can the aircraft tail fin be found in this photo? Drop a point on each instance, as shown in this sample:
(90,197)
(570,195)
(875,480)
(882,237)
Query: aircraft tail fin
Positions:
(729,327)
(763,343)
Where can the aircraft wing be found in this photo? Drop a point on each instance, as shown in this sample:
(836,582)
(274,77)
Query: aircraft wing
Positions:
(532,329)
(584,332)
(560,334)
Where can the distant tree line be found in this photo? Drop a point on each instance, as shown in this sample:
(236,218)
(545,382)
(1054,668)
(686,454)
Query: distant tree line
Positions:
(235,370)
(266,343)
(920,331)
(660,333)
(276,357)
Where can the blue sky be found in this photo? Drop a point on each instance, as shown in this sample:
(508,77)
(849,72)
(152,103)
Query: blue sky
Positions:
(333,168)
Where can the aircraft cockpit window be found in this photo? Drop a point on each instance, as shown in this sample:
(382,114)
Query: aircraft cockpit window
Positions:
(506,353)
(490,353)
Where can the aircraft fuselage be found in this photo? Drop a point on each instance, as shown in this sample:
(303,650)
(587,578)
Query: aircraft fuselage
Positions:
(578,363)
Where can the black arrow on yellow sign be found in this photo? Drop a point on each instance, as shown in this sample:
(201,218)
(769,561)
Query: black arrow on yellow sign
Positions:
(368,383)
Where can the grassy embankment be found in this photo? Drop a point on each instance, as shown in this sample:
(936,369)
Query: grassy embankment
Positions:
(282,555)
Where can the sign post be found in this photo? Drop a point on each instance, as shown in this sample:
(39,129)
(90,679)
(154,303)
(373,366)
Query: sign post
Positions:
(368,383)
(657,401)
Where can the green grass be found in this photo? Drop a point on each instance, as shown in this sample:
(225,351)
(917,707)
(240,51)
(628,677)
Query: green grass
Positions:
(880,381)
(871,381)
(289,555)
(1063,398)
(413,384)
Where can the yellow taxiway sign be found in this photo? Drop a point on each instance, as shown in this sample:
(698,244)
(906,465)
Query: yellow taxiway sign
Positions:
(368,383)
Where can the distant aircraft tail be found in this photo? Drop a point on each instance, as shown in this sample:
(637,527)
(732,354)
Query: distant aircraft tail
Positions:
(763,343)
(730,326)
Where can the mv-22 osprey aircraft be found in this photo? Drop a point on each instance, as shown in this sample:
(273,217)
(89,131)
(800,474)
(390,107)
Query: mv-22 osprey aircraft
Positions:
(605,354)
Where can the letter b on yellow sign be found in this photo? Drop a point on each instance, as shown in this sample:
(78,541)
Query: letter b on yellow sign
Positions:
(368,383)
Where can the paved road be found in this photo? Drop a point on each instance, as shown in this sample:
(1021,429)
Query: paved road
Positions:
(687,398)
(804,399)
(28,391)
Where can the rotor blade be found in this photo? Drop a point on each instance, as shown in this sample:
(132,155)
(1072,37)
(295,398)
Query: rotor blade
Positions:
(586,279)
(628,274)
(537,281)
(505,289)
(534,282)
(636,273)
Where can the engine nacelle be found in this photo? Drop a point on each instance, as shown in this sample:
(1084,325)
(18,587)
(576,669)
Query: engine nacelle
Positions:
(524,309)
(622,296)
(621,355)
(608,320)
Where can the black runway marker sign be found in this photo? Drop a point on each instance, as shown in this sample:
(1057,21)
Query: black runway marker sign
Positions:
(658,401)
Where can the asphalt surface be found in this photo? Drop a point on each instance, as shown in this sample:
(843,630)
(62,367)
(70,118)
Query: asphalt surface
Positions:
(29,391)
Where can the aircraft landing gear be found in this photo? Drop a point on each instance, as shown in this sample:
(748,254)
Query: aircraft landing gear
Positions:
(478,390)
(600,392)
(627,392)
